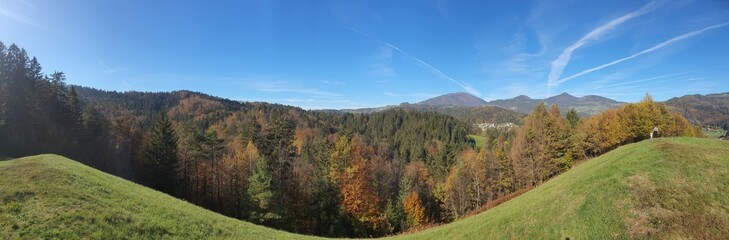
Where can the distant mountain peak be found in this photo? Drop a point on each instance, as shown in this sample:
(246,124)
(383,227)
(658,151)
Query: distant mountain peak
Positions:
(561,98)
(564,94)
(454,99)
(522,97)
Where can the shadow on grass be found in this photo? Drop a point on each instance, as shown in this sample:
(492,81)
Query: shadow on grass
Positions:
(5,158)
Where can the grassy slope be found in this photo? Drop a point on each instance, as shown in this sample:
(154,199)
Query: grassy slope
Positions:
(663,188)
(478,140)
(48,196)
(714,133)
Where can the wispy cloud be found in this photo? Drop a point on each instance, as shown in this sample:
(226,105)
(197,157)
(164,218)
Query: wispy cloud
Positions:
(561,62)
(108,69)
(392,94)
(297,100)
(642,80)
(432,69)
(283,87)
(20,18)
(328,82)
(381,66)
(26,3)
(657,83)
(654,48)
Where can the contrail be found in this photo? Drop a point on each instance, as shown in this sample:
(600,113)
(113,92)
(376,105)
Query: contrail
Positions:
(432,69)
(560,63)
(642,80)
(654,48)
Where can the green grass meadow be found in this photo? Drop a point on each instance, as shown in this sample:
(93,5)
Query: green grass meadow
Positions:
(667,188)
(478,140)
(714,133)
(51,197)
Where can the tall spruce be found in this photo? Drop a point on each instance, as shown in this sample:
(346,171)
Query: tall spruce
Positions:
(161,155)
(572,118)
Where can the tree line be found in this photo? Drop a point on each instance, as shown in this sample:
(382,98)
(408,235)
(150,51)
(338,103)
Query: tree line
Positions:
(312,172)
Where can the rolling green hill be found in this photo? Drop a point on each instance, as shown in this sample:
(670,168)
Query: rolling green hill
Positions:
(671,188)
(48,196)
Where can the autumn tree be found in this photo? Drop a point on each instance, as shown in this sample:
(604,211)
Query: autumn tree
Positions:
(542,147)
(359,197)
(631,123)
(340,157)
(468,185)
(456,193)
(416,178)
(413,207)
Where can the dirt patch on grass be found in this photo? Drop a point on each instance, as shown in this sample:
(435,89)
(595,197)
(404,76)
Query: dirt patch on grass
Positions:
(642,223)
(674,211)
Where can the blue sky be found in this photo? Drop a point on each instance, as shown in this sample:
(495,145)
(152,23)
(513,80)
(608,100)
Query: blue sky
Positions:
(353,54)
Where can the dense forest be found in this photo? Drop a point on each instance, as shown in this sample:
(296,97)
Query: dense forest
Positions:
(312,172)
(711,110)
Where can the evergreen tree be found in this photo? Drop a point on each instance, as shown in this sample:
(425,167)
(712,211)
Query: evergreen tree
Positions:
(261,194)
(572,118)
(161,155)
(3,86)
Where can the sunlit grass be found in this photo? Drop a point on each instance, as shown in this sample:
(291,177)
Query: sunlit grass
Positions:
(478,140)
(661,188)
(51,197)
(714,133)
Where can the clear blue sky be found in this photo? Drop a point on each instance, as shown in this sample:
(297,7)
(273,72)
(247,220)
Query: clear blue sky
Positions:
(352,54)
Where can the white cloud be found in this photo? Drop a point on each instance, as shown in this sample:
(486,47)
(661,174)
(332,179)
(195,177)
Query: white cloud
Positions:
(561,62)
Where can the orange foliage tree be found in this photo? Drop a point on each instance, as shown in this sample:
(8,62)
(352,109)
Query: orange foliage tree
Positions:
(414,209)
(359,195)
(631,123)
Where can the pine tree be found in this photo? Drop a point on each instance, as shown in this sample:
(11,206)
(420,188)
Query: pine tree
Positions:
(3,87)
(572,118)
(261,194)
(161,155)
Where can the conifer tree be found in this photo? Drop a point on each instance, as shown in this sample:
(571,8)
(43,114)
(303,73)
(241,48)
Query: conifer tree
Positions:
(161,155)
(261,194)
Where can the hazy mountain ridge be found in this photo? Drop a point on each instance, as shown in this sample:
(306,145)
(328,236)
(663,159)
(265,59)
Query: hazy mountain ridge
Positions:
(706,110)
(586,105)
(454,99)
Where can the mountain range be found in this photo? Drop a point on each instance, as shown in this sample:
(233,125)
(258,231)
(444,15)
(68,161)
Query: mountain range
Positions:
(586,105)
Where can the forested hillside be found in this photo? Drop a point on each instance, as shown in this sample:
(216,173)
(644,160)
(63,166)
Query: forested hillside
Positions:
(312,172)
(711,110)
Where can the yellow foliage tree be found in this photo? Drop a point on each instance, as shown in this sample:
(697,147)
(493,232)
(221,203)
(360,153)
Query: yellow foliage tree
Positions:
(413,207)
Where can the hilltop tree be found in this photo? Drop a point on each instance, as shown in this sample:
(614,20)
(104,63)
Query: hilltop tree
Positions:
(542,147)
